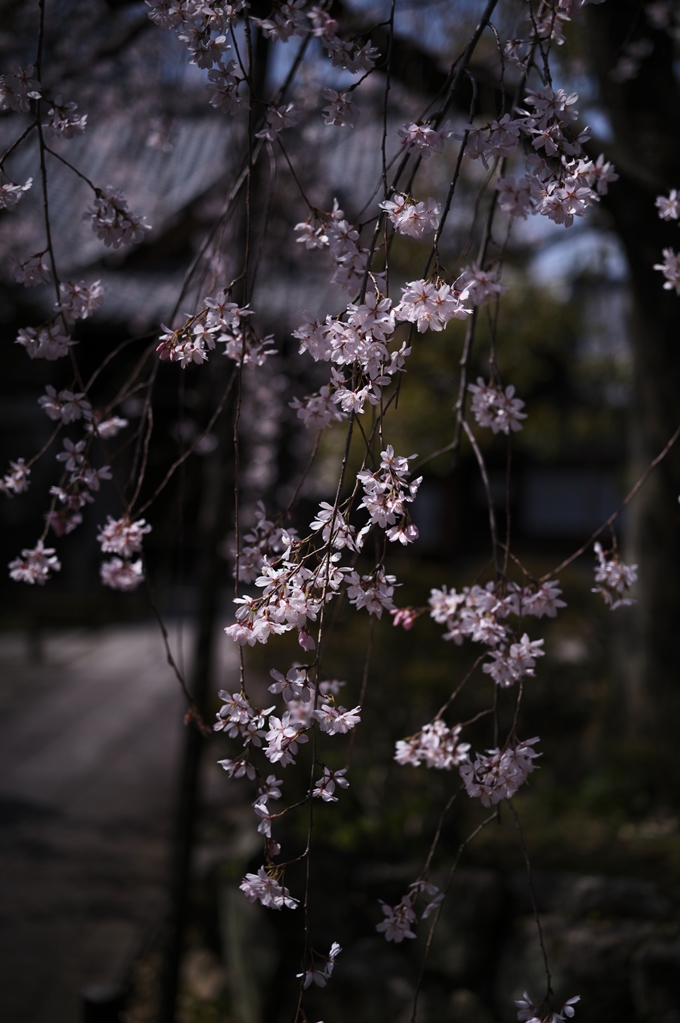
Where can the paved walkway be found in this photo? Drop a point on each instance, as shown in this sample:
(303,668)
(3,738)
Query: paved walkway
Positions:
(89,739)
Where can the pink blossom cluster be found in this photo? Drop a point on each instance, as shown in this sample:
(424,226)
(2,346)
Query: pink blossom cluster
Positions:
(264,888)
(670,268)
(10,194)
(18,87)
(34,565)
(496,408)
(543,1012)
(292,593)
(122,537)
(509,665)
(264,540)
(63,122)
(65,406)
(386,494)
(431,306)
(238,718)
(78,300)
(342,238)
(479,613)
(358,344)
(46,342)
(77,487)
(410,217)
(321,975)
(16,480)
(498,774)
(112,221)
(324,788)
(220,321)
(436,745)
(613,578)
(30,272)
(340,110)
(399,919)
(373,591)
(481,285)
(422,139)
(223,85)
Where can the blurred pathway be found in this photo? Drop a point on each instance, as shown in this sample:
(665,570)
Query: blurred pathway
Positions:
(89,740)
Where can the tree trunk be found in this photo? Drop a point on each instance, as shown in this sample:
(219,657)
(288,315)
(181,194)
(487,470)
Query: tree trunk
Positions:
(645,117)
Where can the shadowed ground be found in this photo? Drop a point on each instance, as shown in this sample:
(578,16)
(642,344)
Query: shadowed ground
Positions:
(89,736)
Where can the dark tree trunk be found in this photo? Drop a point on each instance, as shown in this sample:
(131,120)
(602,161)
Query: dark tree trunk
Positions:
(645,117)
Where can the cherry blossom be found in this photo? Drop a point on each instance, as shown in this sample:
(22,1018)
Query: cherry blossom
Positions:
(410,217)
(18,88)
(343,535)
(31,272)
(295,685)
(599,173)
(48,342)
(482,286)
(270,789)
(398,919)
(289,20)
(63,521)
(422,139)
(113,222)
(122,536)
(331,686)
(613,578)
(73,455)
(341,111)
(669,208)
(387,493)
(353,58)
(278,119)
(498,774)
(324,788)
(323,26)
(238,768)
(63,122)
(404,616)
(10,194)
(34,565)
(238,718)
(263,540)
(78,300)
(507,666)
(518,196)
(562,202)
(121,575)
(267,890)
(283,738)
(311,236)
(337,720)
(374,591)
(495,408)
(223,86)
(65,406)
(544,601)
(320,976)
(107,428)
(549,103)
(436,745)
(495,140)
(16,480)
(430,306)
(543,1012)
(670,268)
